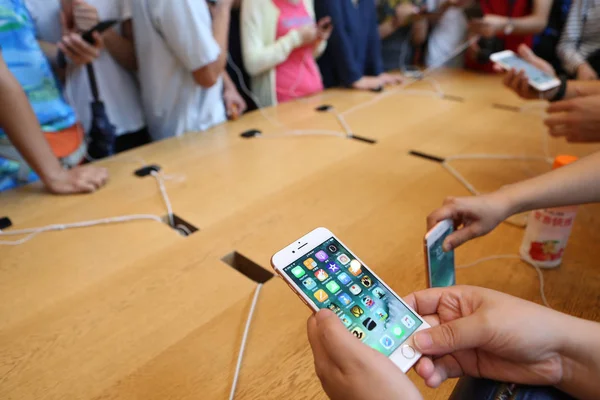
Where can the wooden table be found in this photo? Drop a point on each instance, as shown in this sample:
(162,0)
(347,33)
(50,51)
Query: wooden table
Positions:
(136,311)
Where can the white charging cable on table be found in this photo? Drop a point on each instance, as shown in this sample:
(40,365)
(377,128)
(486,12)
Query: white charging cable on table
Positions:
(515,257)
(33,232)
(240,358)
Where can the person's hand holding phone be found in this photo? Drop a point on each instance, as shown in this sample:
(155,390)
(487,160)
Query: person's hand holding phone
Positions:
(518,82)
(349,369)
(324,28)
(309,34)
(74,47)
(487,334)
(473,216)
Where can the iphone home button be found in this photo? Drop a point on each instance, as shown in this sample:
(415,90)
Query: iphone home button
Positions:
(408,352)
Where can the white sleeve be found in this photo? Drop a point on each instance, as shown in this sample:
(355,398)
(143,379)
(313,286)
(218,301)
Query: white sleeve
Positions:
(187,31)
(125,10)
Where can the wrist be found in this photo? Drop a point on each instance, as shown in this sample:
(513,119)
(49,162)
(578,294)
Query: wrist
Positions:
(580,361)
(508,200)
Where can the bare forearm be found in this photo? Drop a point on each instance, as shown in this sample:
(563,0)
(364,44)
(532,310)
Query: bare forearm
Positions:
(532,24)
(386,28)
(221,17)
(577,183)
(419,32)
(228,83)
(121,48)
(22,128)
(581,360)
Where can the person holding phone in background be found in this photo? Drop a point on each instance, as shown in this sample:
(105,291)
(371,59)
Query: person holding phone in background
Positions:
(447,31)
(58,145)
(182,53)
(401,31)
(573,112)
(579,46)
(353,55)
(114,66)
(505,25)
(280,42)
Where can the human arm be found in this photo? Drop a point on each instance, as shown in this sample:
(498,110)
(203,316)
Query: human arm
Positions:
(23,130)
(119,45)
(187,33)
(403,14)
(573,184)
(349,369)
(234,102)
(487,334)
(258,56)
(534,23)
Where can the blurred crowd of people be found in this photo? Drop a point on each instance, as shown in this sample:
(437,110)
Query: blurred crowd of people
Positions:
(167,67)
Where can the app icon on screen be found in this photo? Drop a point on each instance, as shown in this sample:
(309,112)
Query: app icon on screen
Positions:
(310,264)
(378,292)
(408,321)
(355,268)
(321,295)
(397,331)
(333,267)
(322,256)
(366,281)
(369,324)
(344,278)
(345,320)
(357,311)
(355,289)
(344,299)
(298,271)
(381,314)
(386,342)
(333,287)
(368,301)
(334,307)
(321,275)
(332,248)
(343,259)
(359,333)
(309,283)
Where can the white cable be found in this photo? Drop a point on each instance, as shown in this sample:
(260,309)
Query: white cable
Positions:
(165,196)
(525,260)
(32,232)
(238,365)
(461,178)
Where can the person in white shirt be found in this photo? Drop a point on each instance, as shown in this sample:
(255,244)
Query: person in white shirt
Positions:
(113,68)
(182,55)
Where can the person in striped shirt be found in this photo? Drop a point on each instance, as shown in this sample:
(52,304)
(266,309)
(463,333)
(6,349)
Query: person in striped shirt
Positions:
(579,46)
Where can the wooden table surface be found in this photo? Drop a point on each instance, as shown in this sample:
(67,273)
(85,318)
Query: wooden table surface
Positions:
(136,311)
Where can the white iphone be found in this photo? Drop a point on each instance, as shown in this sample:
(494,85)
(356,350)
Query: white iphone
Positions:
(440,264)
(324,273)
(538,79)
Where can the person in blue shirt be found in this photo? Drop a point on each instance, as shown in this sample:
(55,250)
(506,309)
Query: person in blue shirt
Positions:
(30,97)
(353,55)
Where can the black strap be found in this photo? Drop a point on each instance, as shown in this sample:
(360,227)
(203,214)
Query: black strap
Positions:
(93,83)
